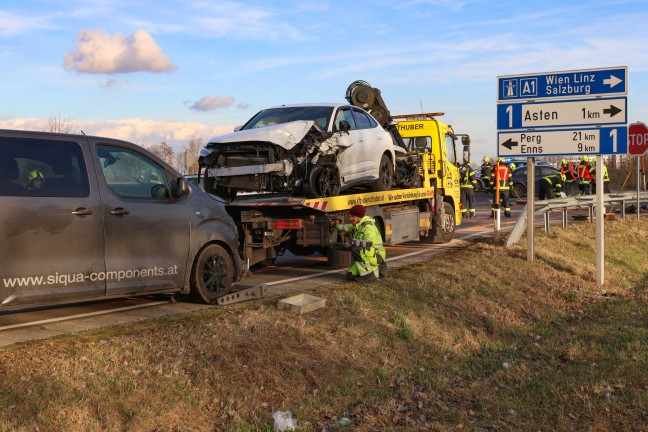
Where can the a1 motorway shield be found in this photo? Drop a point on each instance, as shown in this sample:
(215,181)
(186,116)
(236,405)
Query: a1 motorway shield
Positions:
(563,84)
(605,141)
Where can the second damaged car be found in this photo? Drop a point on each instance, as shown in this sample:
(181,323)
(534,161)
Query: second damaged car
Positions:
(311,150)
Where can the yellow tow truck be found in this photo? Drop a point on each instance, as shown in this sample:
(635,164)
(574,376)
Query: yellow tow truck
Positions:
(424,206)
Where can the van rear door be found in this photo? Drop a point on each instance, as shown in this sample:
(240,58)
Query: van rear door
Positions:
(52,247)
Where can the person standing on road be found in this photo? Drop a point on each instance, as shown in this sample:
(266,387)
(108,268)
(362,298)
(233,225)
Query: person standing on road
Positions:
(606,178)
(584,176)
(366,246)
(571,177)
(467,183)
(502,176)
(486,174)
(550,186)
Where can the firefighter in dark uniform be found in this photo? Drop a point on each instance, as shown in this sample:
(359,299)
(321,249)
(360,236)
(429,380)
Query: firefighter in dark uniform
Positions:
(550,186)
(467,183)
(486,174)
(502,176)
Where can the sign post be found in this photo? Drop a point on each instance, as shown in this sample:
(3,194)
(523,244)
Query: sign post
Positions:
(638,146)
(580,112)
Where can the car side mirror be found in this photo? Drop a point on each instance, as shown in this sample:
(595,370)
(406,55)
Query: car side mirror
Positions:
(238,128)
(344,126)
(182,187)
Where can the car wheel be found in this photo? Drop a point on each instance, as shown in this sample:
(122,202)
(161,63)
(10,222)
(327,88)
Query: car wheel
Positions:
(212,274)
(385,175)
(518,191)
(325,181)
(479,186)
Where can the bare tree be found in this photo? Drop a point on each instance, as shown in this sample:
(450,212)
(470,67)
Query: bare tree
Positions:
(163,151)
(191,151)
(57,124)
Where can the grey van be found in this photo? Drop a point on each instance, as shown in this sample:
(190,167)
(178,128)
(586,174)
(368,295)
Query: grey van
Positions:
(85,218)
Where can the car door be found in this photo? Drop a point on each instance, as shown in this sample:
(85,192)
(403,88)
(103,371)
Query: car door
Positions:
(52,247)
(350,158)
(147,232)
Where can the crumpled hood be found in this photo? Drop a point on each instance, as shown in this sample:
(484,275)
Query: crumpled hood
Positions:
(286,135)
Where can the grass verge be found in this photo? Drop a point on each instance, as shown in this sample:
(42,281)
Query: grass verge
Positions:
(479,339)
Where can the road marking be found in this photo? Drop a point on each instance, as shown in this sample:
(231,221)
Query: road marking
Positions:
(427,249)
(84,315)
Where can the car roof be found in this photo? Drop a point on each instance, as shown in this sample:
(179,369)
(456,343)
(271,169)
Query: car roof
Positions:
(330,105)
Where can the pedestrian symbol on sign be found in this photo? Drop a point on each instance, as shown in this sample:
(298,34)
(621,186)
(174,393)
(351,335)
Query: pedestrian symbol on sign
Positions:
(529,87)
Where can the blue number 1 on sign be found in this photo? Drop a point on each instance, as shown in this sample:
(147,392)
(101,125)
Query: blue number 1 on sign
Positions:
(563,84)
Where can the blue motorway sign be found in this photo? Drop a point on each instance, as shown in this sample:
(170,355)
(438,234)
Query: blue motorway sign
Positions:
(558,113)
(582,141)
(563,84)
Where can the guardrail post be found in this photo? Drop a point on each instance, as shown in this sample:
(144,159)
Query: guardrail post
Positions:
(547,222)
(564,218)
(590,209)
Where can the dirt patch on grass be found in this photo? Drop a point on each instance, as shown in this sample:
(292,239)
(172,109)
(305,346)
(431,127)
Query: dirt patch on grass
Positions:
(479,339)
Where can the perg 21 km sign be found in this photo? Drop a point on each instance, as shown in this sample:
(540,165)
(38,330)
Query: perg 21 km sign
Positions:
(563,85)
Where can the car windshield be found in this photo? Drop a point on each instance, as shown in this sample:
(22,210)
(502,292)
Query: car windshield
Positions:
(267,117)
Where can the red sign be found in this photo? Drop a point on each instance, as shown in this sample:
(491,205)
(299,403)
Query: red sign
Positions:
(637,138)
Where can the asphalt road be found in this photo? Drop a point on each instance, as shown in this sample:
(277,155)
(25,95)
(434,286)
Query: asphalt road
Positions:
(289,274)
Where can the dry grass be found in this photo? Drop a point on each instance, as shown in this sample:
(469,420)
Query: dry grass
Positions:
(477,340)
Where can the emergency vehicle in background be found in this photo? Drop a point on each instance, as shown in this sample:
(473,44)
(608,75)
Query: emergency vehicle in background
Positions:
(422,205)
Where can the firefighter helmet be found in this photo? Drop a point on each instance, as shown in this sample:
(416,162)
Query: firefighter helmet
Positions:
(36,174)
(486,159)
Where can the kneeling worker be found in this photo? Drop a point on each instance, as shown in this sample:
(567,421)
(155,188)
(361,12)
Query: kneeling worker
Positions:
(366,247)
(551,185)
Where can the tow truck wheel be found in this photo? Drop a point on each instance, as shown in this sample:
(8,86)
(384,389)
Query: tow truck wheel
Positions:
(385,175)
(449,223)
(445,232)
(212,275)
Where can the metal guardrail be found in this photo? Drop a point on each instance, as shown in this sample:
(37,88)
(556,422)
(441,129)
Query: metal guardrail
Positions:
(546,207)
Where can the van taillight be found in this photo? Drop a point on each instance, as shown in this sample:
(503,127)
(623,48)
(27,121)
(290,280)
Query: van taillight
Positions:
(287,224)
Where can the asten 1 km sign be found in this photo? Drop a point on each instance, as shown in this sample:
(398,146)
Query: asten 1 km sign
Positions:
(637,138)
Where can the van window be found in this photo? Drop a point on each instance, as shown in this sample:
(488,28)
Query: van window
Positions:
(39,167)
(132,175)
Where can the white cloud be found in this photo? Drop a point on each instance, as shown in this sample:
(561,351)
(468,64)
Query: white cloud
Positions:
(98,52)
(144,132)
(243,21)
(13,24)
(212,103)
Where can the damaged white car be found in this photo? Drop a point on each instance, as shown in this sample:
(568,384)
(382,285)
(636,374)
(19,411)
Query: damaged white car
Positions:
(312,150)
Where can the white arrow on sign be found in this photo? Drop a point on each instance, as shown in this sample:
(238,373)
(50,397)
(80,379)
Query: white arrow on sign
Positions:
(612,81)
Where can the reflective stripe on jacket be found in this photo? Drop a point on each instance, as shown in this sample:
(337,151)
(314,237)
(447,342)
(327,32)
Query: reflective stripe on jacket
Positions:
(503,175)
(584,174)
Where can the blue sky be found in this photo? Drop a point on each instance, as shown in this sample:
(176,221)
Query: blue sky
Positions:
(148,71)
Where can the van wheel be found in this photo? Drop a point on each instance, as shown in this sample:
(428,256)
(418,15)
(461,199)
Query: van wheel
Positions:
(212,275)
(385,175)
